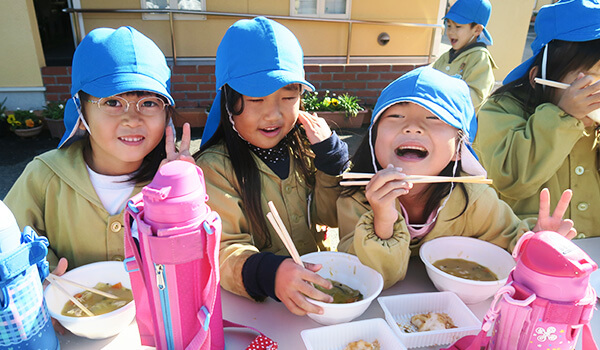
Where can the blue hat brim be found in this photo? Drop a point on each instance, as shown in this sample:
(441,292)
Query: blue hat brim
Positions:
(119,83)
(519,70)
(264,83)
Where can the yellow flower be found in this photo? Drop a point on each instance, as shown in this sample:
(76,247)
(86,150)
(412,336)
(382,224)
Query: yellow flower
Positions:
(11,118)
(17,123)
(29,123)
(326,101)
(334,101)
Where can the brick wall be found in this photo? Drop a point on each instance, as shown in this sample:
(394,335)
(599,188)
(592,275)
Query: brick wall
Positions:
(193,86)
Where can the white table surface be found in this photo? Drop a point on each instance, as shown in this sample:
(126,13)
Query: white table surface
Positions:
(273,319)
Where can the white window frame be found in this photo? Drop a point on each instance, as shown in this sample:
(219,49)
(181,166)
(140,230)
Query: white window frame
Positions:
(165,16)
(321,11)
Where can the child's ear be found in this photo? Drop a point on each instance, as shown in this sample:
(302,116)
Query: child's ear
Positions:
(478,30)
(532,75)
(456,156)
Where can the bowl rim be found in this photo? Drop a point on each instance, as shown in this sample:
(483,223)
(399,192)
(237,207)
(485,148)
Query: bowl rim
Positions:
(356,303)
(60,317)
(481,242)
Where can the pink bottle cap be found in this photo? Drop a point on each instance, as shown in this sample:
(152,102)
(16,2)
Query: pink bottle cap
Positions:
(176,196)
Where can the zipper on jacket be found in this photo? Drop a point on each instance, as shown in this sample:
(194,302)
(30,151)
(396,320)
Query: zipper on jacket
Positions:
(163,292)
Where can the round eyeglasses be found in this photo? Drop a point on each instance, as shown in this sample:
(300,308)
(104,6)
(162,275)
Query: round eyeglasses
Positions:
(117,105)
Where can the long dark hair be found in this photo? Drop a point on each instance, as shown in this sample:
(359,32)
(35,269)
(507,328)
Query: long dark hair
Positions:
(245,167)
(362,162)
(563,57)
(151,161)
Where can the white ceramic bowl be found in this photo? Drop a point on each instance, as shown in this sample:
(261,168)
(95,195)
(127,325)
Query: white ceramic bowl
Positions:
(96,327)
(347,269)
(498,260)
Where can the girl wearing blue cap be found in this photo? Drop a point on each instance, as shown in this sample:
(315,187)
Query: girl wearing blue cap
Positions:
(535,136)
(258,147)
(113,144)
(422,125)
(469,58)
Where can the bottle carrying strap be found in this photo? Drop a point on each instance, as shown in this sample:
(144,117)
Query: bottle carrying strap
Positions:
(32,251)
(209,292)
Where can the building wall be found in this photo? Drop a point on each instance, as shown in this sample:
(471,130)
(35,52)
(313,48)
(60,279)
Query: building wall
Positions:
(509,25)
(22,56)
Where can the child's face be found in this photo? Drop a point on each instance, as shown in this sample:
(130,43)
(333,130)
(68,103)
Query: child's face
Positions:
(414,139)
(119,143)
(460,35)
(265,121)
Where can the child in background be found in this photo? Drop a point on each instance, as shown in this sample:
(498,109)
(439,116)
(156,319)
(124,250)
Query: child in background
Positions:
(469,58)
(257,147)
(533,136)
(421,126)
(114,142)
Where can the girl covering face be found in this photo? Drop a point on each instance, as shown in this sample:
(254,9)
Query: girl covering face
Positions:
(258,146)
(421,125)
(534,136)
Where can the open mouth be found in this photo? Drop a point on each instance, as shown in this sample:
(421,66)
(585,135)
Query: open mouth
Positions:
(131,139)
(270,130)
(412,152)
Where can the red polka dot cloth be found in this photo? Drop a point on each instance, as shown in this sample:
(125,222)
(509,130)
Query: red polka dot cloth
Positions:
(262,342)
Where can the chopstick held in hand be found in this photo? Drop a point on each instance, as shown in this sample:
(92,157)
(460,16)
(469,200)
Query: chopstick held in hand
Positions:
(279,227)
(414,179)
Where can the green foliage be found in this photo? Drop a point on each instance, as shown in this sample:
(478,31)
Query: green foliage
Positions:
(54,110)
(345,102)
(23,120)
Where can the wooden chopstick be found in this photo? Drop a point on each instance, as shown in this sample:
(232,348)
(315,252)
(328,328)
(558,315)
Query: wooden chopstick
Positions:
(283,233)
(56,283)
(479,179)
(91,289)
(551,83)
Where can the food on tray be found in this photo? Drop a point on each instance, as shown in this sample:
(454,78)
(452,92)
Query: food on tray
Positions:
(466,269)
(432,321)
(99,304)
(363,345)
(341,293)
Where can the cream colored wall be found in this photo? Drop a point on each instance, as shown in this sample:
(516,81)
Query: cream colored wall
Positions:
(509,25)
(198,38)
(22,54)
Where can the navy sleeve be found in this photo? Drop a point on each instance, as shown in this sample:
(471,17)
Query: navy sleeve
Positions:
(258,275)
(331,155)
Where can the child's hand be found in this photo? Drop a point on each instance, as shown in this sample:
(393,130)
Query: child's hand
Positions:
(316,128)
(60,269)
(184,147)
(555,222)
(293,286)
(381,192)
(581,98)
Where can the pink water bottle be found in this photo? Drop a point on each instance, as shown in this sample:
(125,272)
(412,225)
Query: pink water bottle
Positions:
(548,301)
(173,261)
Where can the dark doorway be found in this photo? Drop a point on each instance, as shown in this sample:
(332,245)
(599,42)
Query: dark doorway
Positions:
(55,31)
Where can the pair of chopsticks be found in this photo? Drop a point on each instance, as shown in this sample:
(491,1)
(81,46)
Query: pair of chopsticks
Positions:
(283,233)
(551,83)
(57,282)
(362,179)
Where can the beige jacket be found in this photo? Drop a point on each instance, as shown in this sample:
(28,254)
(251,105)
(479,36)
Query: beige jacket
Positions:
(524,152)
(54,195)
(486,217)
(474,66)
(291,198)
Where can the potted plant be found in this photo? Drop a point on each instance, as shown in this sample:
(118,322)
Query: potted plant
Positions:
(24,123)
(339,111)
(53,114)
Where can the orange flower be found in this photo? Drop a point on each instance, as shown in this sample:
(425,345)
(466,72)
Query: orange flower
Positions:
(29,123)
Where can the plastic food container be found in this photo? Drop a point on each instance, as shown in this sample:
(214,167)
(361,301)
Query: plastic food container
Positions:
(399,309)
